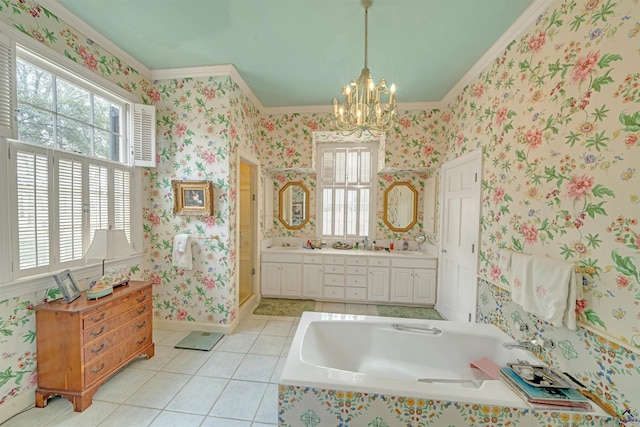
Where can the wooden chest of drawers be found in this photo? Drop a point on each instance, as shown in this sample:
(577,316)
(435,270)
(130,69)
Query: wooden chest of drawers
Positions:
(81,344)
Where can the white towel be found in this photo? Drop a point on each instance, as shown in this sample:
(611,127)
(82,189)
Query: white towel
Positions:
(546,288)
(182,252)
(504,261)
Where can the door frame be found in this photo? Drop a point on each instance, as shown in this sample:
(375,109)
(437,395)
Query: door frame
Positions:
(475,158)
(243,156)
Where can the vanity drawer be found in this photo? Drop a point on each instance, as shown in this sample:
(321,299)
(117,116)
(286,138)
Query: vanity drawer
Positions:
(333,259)
(334,279)
(356,280)
(267,257)
(334,269)
(333,292)
(312,259)
(379,262)
(355,269)
(356,293)
(356,260)
(415,263)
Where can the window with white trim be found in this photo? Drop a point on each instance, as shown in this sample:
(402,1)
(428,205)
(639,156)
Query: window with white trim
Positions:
(71,145)
(346,191)
(61,199)
(54,112)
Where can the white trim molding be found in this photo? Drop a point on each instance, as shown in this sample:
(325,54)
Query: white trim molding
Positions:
(209,71)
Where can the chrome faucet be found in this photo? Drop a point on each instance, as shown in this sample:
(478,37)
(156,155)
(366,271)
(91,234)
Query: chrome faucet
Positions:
(534,345)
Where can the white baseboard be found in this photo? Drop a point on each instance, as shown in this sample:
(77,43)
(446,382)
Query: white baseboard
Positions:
(246,310)
(13,407)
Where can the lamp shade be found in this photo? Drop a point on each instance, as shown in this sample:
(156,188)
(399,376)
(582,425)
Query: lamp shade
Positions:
(108,244)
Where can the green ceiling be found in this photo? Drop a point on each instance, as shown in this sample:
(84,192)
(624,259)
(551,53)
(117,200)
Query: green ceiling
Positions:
(301,52)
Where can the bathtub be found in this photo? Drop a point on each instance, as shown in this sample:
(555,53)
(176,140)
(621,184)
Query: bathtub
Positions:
(429,359)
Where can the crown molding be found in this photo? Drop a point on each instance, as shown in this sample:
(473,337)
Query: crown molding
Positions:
(63,13)
(516,29)
(209,71)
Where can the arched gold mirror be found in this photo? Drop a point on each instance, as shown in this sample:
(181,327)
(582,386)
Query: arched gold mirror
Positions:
(293,204)
(400,206)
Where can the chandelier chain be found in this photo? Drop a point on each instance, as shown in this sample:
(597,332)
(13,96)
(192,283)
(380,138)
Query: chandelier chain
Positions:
(363,110)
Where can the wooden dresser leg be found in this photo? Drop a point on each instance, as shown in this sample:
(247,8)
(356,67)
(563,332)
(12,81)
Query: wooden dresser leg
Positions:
(41,401)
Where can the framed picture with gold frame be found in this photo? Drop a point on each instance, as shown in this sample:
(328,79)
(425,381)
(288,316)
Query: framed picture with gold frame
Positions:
(192,197)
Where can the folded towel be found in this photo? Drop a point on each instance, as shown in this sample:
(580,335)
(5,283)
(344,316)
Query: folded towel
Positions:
(546,288)
(182,252)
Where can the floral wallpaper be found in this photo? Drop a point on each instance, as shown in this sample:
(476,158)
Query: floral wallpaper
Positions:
(557,116)
(412,151)
(200,124)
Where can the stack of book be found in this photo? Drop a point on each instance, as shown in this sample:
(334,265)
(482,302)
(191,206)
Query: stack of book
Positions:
(545,398)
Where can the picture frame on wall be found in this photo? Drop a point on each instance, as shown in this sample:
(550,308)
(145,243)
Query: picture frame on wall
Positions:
(67,286)
(192,197)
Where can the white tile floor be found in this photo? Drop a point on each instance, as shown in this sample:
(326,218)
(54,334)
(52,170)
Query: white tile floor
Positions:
(233,385)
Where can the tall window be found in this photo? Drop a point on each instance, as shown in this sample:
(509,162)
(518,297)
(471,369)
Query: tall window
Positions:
(68,171)
(56,113)
(346,186)
(62,198)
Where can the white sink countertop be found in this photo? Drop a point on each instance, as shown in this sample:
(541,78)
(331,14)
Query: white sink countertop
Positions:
(332,251)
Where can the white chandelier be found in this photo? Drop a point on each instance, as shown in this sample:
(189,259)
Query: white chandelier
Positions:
(362,110)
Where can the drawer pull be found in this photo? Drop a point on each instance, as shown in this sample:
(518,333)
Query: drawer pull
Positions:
(141,298)
(99,349)
(96,370)
(140,325)
(96,333)
(97,319)
(142,340)
(142,310)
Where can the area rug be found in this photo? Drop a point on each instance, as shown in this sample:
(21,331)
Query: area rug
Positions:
(284,307)
(408,312)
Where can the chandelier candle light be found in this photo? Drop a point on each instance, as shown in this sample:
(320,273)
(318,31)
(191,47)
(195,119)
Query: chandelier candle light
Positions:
(362,110)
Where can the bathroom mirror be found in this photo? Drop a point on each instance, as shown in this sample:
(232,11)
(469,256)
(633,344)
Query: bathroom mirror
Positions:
(293,205)
(400,206)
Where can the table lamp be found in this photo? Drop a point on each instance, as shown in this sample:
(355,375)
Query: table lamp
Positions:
(109,244)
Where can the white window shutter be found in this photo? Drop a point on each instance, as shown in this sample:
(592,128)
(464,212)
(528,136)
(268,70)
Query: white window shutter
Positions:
(70,210)
(32,189)
(7,87)
(144,135)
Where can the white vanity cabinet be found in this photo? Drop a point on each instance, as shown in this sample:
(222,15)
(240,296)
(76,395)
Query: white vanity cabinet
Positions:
(281,275)
(378,285)
(312,280)
(356,278)
(413,281)
(349,276)
(334,277)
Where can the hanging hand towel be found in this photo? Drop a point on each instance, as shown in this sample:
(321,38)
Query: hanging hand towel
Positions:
(182,252)
(520,276)
(546,288)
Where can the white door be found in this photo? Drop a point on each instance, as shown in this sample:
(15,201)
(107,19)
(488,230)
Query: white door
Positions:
(459,230)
